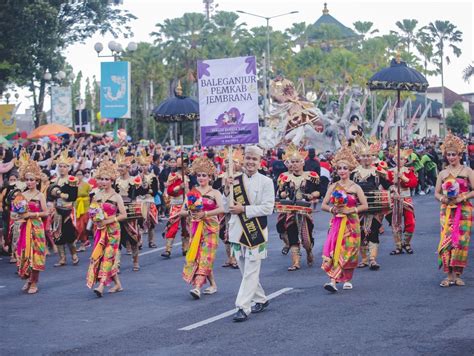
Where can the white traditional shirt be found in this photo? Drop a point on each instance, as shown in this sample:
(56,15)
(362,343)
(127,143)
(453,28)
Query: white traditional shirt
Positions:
(261,195)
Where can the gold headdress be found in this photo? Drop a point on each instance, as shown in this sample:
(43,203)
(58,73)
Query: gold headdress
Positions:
(452,143)
(361,146)
(27,166)
(204,165)
(122,159)
(237,155)
(65,159)
(292,152)
(344,154)
(405,153)
(143,158)
(106,169)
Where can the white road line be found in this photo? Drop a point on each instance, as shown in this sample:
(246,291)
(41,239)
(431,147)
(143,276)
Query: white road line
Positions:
(230,312)
(2,286)
(156,249)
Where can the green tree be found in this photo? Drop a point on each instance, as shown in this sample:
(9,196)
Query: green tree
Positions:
(444,34)
(35,33)
(458,120)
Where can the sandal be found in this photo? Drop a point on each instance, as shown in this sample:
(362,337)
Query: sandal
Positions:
(445,283)
(347,286)
(459,282)
(33,290)
(397,251)
(116,289)
(26,286)
(59,264)
(362,265)
(227,264)
(374,266)
(210,290)
(330,287)
(195,293)
(136,268)
(235,266)
(293,268)
(98,292)
(166,254)
(285,250)
(75,260)
(408,249)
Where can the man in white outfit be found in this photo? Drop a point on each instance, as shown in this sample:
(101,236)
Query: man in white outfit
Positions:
(248,232)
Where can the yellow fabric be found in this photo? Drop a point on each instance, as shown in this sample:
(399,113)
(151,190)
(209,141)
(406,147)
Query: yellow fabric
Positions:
(340,236)
(192,252)
(445,227)
(29,224)
(99,248)
(81,206)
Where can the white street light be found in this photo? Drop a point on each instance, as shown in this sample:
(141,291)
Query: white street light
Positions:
(60,75)
(98,47)
(118,47)
(267,59)
(132,47)
(112,46)
(71,76)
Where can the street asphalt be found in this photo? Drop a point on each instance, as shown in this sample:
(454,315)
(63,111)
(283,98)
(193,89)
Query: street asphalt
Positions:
(398,310)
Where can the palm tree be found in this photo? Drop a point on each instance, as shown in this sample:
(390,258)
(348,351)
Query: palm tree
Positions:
(299,34)
(407,27)
(444,33)
(363,28)
(467,73)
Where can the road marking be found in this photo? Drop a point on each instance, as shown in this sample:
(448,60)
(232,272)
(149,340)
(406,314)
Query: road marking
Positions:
(230,312)
(156,249)
(2,286)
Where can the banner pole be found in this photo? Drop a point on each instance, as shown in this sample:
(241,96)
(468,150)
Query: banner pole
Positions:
(230,173)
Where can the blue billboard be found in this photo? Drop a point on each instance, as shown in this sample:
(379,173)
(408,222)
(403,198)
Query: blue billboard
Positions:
(115,90)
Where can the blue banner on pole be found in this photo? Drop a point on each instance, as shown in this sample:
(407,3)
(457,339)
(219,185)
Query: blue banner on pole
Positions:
(115,90)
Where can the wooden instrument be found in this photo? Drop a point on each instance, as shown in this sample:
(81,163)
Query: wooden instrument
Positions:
(289,206)
(379,201)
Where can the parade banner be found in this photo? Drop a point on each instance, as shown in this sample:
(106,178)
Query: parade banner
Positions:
(61,106)
(228,101)
(115,90)
(7,120)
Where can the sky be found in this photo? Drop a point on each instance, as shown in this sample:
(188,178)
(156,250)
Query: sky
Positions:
(383,14)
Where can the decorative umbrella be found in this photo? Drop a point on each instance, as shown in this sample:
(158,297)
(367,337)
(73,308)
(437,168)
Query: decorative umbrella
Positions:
(398,77)
(50,129)
(177,109)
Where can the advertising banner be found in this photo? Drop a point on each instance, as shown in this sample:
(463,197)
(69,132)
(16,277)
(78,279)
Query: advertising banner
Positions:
(61,106)
(7,120)
(228,101)
(115,90)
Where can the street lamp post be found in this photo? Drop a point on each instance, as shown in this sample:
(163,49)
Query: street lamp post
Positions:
(116,49)
(267,54)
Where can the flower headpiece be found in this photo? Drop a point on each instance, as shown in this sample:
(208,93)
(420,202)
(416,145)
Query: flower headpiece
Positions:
(452,143)
(344,154)
(27,166)
(122,159)
(292,152)
(107,170)
(65,159)
(204,165)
